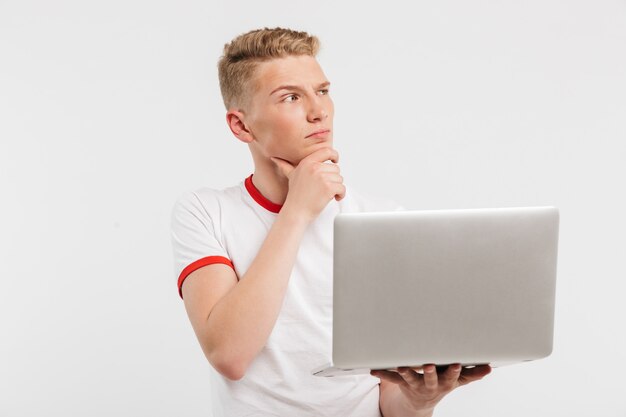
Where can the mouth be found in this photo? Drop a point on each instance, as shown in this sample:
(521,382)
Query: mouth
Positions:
(322,133)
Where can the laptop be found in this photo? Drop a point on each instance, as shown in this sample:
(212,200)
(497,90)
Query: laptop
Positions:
(471,286)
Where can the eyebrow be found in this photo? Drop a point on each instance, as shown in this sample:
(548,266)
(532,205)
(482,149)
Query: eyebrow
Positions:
(298,88)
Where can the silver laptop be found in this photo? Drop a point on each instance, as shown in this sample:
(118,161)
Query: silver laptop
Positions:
(470,286)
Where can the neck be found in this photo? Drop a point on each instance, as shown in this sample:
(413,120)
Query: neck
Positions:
(269,181)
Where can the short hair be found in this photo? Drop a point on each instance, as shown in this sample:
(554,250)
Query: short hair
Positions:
(237,65)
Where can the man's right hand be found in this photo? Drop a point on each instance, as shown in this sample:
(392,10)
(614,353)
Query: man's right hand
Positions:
(312,183)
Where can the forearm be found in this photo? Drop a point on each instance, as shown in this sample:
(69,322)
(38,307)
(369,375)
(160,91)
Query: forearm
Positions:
(241,322)
(393,403)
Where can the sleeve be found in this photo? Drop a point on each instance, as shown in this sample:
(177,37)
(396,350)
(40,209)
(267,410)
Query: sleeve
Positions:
(194,240)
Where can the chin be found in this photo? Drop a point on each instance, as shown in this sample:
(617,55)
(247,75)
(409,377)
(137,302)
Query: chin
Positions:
(312,147)
(320,142)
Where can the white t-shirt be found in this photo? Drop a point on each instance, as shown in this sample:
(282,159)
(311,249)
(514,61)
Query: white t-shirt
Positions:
(229,226)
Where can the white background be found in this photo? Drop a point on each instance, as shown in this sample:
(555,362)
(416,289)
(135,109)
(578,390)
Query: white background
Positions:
(110,110)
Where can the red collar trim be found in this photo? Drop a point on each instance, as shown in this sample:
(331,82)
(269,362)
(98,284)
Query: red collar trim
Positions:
(258,197)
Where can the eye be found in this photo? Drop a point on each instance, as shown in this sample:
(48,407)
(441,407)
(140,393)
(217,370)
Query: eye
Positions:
(294,96)
(325,91)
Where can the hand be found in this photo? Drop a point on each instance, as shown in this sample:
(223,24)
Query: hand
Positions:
(312,183)
(424,391)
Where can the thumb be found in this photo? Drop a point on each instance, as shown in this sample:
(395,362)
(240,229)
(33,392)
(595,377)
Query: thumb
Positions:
(284,167)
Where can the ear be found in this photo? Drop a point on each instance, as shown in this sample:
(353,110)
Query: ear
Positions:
(234,119)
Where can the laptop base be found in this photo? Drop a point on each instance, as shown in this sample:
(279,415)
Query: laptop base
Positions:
(329,369)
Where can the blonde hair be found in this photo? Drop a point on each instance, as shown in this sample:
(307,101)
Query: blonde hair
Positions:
(243,54)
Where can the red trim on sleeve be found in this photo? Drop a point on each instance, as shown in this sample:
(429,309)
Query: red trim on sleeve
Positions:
(258,197)
(209,260)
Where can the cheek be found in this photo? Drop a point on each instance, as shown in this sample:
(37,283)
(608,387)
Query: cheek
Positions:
(289,124)
(281,129)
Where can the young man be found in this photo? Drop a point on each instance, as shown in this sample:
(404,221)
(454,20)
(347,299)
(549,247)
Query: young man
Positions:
(254,261)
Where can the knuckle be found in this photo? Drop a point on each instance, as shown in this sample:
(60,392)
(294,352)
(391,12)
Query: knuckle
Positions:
(313,168)
(448,384)
(432,390)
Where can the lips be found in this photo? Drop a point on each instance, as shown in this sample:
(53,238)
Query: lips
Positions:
(318,133)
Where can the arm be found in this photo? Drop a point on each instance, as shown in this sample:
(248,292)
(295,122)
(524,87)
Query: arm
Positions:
(233,319)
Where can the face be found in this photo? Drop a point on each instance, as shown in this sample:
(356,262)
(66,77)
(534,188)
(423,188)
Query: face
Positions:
(290,103)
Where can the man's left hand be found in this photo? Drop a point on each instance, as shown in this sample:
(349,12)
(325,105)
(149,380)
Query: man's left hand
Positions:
(423,391)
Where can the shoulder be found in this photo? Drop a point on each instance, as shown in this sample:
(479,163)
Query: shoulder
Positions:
(205,201)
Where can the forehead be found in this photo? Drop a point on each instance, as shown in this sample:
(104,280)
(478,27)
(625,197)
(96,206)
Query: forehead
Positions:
(301,70)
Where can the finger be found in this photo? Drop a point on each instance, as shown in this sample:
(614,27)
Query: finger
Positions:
(473,374)
(333,177)
(329,167)
(431,380)
(451,375)
(410,376)
(284,167)
(323,154)
(340,191)
(390,376)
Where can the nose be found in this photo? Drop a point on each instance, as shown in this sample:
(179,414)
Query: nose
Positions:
(317,110)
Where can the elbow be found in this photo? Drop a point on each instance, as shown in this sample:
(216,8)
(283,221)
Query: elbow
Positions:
(234,372)
(229,366)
